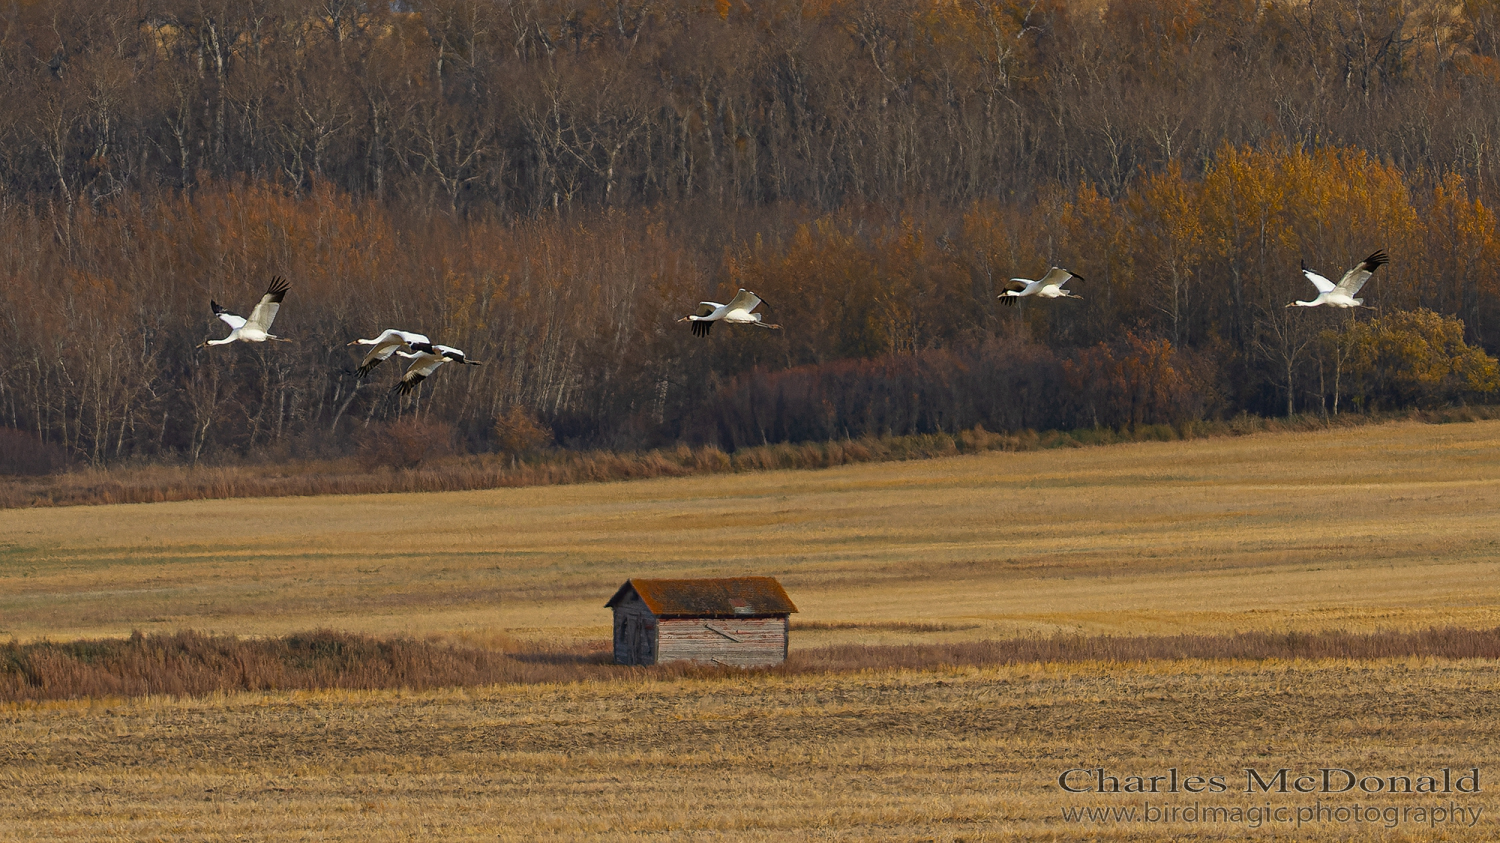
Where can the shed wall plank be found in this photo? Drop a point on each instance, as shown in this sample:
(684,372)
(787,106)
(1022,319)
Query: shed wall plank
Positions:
(761,641)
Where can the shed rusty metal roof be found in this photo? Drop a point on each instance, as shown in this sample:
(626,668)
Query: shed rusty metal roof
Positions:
(722,596)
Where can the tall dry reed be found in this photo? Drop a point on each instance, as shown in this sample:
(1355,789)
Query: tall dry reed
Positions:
(158,483)
(192,664)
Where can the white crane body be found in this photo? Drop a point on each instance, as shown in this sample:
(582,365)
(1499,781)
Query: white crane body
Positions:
(1342,294)
(1049,286)
(258,327)
(389,341)
(425,362)
(737,312)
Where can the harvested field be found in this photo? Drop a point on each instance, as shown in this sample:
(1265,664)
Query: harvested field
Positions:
(966,754)
(1328,548)
(1382,527)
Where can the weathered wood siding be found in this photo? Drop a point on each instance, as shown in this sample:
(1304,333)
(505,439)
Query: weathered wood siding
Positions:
(743,642)
(635,632)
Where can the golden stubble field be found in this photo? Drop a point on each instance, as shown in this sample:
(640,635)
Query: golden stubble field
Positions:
(1389,527)
(918,755)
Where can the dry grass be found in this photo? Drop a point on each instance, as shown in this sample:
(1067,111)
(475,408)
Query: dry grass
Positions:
(962,754)
(191,664)
(1331,554)
(386,473)
(1388,528)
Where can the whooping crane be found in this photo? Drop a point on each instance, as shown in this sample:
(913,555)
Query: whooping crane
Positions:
(1342,293)
(426,362)
(257,328)
(1049,287)
(736,312)
(386,345)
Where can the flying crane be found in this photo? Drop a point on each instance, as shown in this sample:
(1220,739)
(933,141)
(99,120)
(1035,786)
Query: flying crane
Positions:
(1342,293)
(425,362)
(258,327)
(389,341)
(1048,287)
(737,312)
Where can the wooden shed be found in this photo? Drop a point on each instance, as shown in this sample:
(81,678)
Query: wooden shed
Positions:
(740,621)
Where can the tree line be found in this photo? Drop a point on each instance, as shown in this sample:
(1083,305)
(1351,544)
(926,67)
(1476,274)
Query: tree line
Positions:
(893,325)
(550,185)
(526,106)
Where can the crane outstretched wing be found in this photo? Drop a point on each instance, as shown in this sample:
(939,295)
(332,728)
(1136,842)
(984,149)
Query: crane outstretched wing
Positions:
(423,364)
(1356,277)
(379,354)
(1057,276)
(744,300)
(409,382)
(233,321)
(1323,284)
(389,341)
(265,311)
(1018,287)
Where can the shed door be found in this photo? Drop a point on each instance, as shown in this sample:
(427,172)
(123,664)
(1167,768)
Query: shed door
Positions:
(642,641)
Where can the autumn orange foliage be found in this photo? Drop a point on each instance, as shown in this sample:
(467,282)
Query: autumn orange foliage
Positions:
(550,200)
(576,316)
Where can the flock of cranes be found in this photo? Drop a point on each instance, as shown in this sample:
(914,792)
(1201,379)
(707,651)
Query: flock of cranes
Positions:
(427,356)
(1334,295)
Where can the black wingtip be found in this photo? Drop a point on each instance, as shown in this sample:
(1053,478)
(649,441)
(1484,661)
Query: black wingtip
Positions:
(1375,261)
(1008,301)
(278,288)
(701,328)
(407,385)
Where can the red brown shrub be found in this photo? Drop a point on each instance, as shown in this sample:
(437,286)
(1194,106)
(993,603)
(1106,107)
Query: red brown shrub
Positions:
(26,455)
(406,443)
